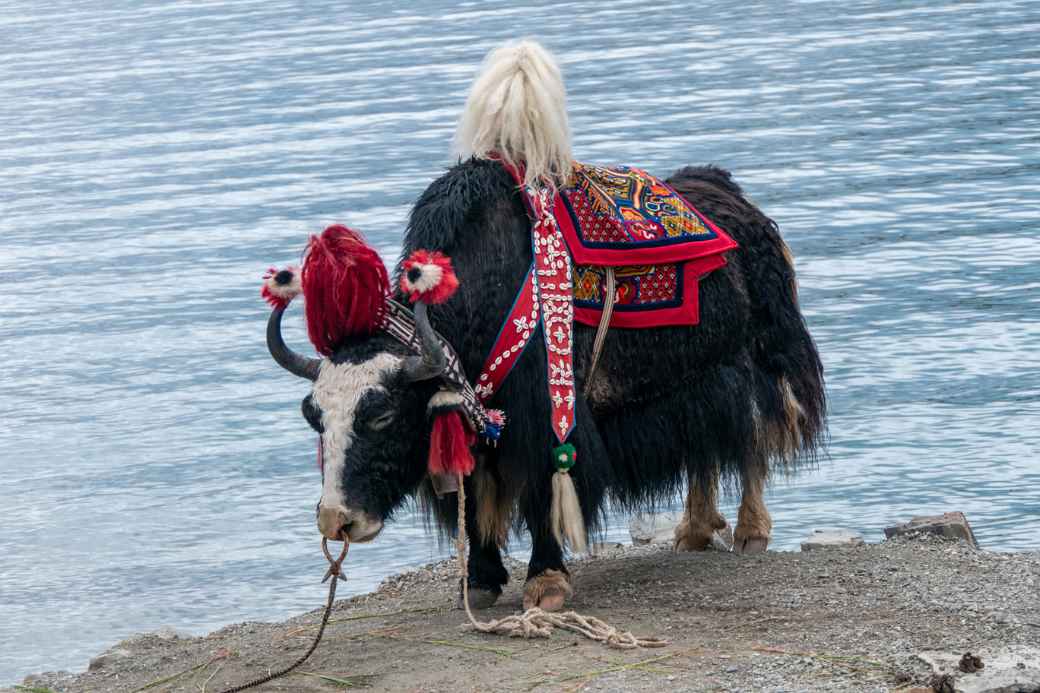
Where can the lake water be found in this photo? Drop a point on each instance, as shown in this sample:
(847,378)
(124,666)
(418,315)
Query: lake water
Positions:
(156,157)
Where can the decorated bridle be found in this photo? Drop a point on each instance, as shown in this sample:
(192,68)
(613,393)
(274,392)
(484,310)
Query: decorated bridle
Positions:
(426,278)
(347,293)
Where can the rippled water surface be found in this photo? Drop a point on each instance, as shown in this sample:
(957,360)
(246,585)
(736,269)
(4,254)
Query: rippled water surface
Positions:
(156,157)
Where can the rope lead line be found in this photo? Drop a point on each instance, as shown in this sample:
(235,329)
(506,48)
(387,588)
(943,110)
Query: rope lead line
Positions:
(334,571)
(535,622)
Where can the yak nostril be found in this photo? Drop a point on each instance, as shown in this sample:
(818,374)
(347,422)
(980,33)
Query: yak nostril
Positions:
(344,521)
(333,523)
(347,524)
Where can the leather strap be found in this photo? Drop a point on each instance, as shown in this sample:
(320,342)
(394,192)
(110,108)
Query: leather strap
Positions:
(604,325)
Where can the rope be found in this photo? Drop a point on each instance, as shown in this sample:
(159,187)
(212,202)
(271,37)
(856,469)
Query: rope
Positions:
(535,622)
(334,573)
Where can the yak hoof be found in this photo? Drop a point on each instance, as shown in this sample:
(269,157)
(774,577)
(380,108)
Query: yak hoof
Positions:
(479,598)
(750,545)
(716,534)
(687,539)
(548,591)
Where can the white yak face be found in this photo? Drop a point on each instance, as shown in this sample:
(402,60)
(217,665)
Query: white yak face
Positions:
(355,408)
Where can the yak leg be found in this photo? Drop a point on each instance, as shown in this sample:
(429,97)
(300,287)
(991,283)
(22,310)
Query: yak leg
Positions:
(702,516)
(487,575)
(753,522)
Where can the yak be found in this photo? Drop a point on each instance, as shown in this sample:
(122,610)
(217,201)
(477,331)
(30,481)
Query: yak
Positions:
(732,398)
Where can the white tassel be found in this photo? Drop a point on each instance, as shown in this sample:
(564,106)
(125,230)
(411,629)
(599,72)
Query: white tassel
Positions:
(565,516)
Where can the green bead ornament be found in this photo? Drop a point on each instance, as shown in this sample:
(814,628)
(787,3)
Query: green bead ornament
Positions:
(564,457)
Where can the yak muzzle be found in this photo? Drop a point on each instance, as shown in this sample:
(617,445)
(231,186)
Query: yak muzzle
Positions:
(341,523)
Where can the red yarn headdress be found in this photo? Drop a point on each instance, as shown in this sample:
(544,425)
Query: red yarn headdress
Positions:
(346,287)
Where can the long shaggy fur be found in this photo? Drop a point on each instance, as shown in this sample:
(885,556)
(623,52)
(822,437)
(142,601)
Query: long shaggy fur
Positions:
(517,110)
(733,397)
(737,395)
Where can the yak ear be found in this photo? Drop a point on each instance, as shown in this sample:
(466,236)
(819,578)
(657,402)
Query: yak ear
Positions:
(442,402)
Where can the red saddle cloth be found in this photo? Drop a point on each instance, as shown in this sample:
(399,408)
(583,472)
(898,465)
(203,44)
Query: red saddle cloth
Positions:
(659,245)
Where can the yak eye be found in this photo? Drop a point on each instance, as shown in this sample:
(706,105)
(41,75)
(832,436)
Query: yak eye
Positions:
(381,421)
(311,413)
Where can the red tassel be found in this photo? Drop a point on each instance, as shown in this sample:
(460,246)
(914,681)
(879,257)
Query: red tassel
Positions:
(345,285)
(449,445)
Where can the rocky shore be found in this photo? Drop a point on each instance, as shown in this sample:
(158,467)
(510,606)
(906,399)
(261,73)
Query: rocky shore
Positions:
(899,615)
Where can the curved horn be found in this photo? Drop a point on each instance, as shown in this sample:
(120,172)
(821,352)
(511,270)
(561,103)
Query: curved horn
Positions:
(287,358)
(433,361)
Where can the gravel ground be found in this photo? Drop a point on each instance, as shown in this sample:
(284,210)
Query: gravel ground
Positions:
(840,619)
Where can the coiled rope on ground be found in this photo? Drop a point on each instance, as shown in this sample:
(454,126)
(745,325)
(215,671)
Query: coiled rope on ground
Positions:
(536,622)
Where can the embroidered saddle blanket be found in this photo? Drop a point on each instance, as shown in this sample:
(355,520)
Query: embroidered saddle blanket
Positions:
(659,245)
(621,218)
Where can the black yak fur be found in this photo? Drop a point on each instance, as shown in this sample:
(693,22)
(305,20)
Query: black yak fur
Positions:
(671,405)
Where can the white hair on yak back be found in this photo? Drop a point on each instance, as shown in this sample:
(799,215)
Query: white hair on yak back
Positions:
(517,109)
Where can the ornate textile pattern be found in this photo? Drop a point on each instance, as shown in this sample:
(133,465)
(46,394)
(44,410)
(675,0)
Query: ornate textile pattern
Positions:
(547,297)
(637,285)
(628,205)
(554,276)
(659,245)
(645,295)
(624,216)
(609,217)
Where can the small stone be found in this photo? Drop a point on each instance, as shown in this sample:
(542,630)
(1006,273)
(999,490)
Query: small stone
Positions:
(970,663)
(653,529)
(948,525)
(831,537)
(660,529)
(942,683)
(169,633)
(1002,673)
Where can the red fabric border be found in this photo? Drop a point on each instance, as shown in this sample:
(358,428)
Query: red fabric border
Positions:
(511,341)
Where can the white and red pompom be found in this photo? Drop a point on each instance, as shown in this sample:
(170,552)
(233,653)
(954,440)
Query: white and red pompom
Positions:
(281,286)
(428,277)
